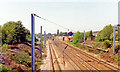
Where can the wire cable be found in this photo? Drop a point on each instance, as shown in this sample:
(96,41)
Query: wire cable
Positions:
(52,22)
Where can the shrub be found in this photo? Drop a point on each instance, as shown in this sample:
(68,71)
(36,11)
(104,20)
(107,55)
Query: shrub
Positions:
(6,69)
(116,48)
(39,62)
(44,55)
(22,58)
(115,58)
(106,43)
(5,47)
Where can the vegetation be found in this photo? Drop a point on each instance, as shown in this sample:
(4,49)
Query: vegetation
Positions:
(14,32)
(116,48)
(63,34)
(105,33)
(5,47)
(22,58)
(116,36)
(90,34)
(78,37)
(106,43)
(115,58)
(6,69)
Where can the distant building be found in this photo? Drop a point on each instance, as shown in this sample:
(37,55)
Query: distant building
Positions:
(95,34)
(54,34)
(91,38)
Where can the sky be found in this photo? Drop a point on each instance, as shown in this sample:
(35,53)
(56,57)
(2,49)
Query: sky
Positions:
(76,15)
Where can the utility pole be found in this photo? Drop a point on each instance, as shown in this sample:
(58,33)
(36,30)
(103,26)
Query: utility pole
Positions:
(114,40)
(45,38)
(41,43)
(84,36)
(33,41)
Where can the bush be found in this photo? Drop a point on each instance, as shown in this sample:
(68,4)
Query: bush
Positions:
(115,58)
(5,47)
(106,43)
(78,37)
(6,69)
(22,58)
(116,48)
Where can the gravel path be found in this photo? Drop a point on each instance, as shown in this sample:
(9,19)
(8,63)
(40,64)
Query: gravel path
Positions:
(46,61)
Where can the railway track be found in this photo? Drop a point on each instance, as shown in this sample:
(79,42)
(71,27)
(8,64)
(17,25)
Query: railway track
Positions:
(54,62)
(111,67)
(81,64)
(76,57)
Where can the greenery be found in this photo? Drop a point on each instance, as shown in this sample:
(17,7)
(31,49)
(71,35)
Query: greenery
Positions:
(78,37)
(90,34)
(6,69)
(39,62)
(14,32)
(106,43)
(5,47)
(63,34)
(105,33)
(116,36)
(116,48)
(44,55)
(22,58)
(115,58)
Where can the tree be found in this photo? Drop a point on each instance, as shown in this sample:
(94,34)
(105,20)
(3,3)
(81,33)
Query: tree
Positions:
(60,34)
(65,34)
(116,36)
(38,35)
(49,34)
(14,32)
(78,37)
(105,33)
(90,34)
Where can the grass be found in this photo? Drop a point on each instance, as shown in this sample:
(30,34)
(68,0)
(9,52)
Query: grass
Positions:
(44,55)
(39,62)
(115,58)
(6,69)
(22,58)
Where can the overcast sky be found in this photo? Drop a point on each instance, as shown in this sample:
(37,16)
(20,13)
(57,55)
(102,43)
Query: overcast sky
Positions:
(77,15)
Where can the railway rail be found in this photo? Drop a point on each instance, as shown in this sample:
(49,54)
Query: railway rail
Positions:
(79,61)
(111,67)
(54,62)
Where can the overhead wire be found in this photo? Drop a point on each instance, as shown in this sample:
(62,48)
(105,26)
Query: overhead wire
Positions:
(53,22)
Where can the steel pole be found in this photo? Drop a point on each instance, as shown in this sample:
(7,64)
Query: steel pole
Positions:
(84,36)
(33,41)
(45,38)
(41,42)
(113,40)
